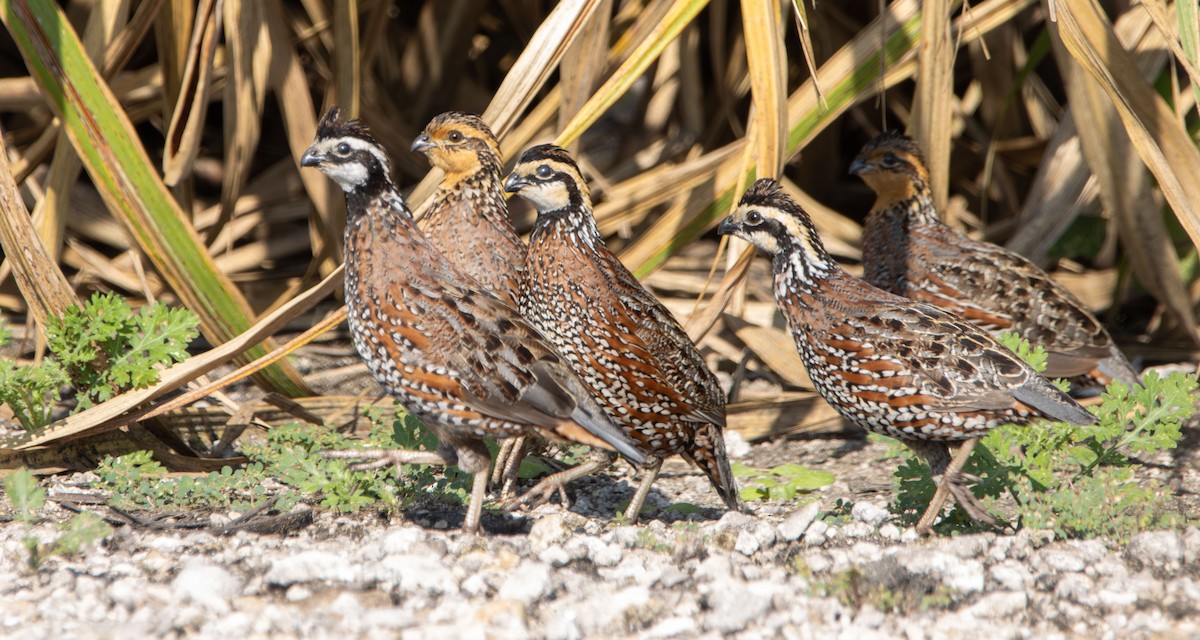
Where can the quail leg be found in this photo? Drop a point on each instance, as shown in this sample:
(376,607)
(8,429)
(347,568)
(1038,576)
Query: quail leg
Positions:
(557,482)
(475,507)
(649,475)
(947,472)
(502,453)
(508,465)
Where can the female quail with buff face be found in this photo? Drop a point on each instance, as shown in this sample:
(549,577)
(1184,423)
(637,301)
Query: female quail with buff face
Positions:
(468,223)
(909,251)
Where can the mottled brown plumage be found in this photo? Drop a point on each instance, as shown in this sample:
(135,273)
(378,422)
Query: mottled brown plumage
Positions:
(910,252)
(890,365)
(629,350)
(456,356)
(468,223)
(468,220)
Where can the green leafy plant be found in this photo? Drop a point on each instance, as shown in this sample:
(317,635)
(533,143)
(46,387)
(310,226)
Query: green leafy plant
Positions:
(31,391)
(781,483)
(101,348)
(28,498)
(1078,480)
(106,348)
(291,456)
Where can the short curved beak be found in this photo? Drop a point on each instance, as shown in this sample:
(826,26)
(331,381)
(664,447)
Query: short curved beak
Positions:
(311,158)
(859,166)
(515,183)
(727,228)
(422,143)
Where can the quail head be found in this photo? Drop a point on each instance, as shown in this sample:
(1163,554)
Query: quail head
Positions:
(468,223)
(893,366)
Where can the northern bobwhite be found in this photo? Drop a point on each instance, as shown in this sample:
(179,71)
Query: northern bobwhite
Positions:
(630,351)
(890,365)
(468,222)
(456,356)
(909,251)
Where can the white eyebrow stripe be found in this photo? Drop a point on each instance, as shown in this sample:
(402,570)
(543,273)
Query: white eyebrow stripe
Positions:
(363,145)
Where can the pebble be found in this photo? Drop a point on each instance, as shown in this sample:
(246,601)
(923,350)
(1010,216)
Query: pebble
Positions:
(869,514)
(795,524)
(207,585)
(1159,551)
(783,573)
(528,583)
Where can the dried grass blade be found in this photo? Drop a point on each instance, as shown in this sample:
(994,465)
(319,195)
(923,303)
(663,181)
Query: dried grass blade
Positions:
(46,290)
(300,124)
(1161,141)
(851,75)
(773,347)
(583,63)
(248,369)
(53,209)
(680,16)
(767,59)
(699,324)
(1125,189)
(1064,184)
(250,46)
(526,77)
(806,44)
(187,116)
(101,417)
(1189,36)
(933,105)
(346,52)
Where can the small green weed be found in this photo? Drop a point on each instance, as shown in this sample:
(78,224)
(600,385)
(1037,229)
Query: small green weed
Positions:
(291,456)
(28,498)
(102,348)
(1078,480)
(779,484)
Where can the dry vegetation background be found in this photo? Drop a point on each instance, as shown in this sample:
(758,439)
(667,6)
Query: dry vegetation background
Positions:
(151,148)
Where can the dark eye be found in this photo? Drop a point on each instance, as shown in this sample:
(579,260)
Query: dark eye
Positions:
(890,160)
(343,149)
(754,217)
(544,171)
(455,136)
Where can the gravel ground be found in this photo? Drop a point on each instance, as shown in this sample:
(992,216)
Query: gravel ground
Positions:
(552,573)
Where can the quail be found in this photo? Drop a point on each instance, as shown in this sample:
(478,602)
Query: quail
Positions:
(468,223)
(455,355)
(909,251)
(890,365)
(630,351)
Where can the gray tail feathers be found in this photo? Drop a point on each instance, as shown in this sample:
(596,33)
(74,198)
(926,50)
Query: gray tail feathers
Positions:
(592,417)
(1118,367)
(1040,394)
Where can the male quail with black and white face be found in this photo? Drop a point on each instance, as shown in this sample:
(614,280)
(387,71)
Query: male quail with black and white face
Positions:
(909,251)
(630,351)
(890,365)
(456,356)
